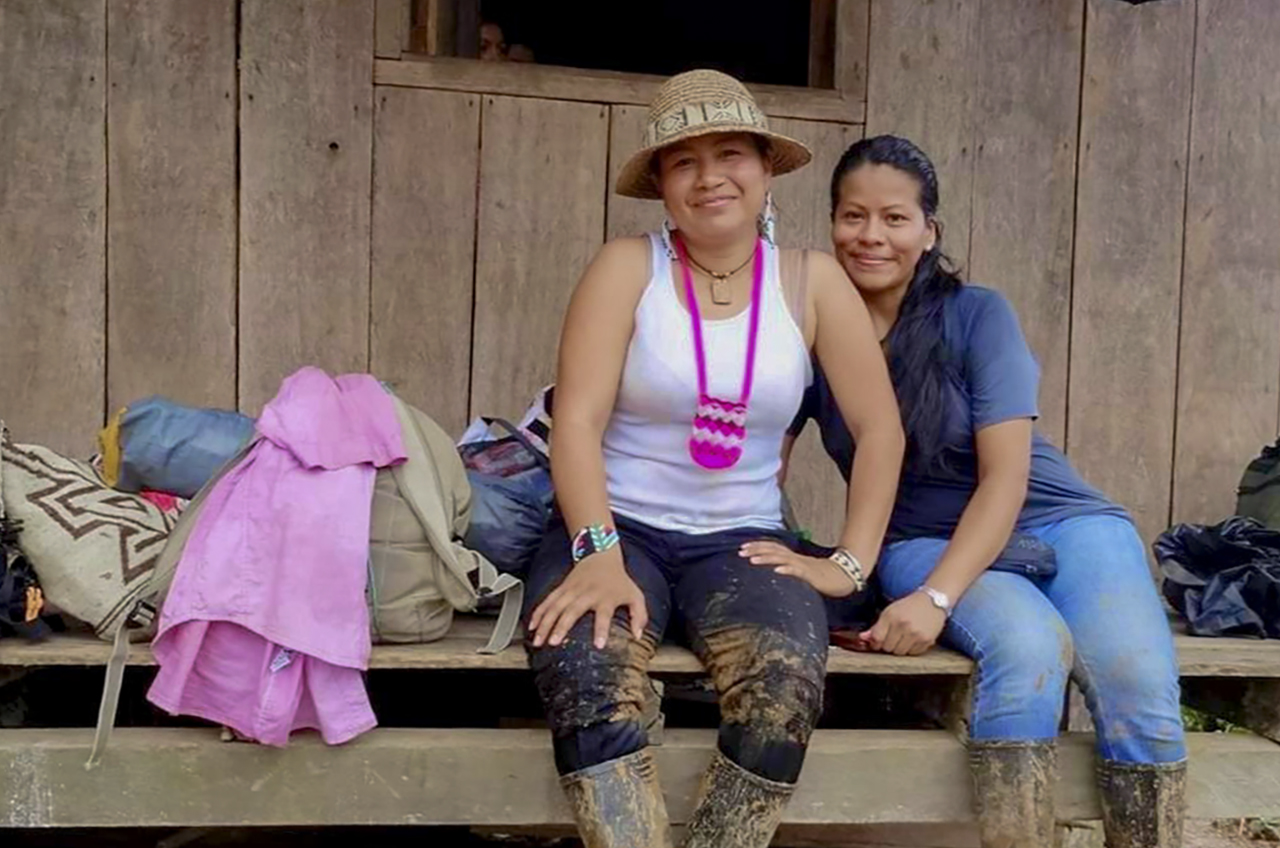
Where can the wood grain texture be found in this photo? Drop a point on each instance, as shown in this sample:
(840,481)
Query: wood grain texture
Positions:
(593,86)
(448,776)
(1241,659)
(1228,378)
(822,43)
(306,146)
(814,485)
(803,197)
(171,258)
(1124,345)
(628,216)
(543,168)
(852,44)
(922,84)
(1025,132)
(52,220)
(426,162)
(393,19)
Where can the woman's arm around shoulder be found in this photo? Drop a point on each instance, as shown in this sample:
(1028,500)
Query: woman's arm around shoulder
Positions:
(846,348)
(849,352)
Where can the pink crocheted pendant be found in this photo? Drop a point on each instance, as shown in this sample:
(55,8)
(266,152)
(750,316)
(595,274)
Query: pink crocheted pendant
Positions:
(719,432)
(720,426)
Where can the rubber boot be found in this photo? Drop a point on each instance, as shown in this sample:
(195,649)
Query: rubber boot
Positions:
(619,804)
(1013,783)
(736,809)
(1143,804)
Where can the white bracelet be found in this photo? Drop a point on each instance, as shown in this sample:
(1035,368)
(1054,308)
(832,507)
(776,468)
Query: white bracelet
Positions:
(848,563)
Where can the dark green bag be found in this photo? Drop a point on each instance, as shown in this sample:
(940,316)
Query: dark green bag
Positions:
(1259,493)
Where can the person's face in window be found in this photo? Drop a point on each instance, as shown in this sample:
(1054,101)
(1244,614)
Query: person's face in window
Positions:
(492,46)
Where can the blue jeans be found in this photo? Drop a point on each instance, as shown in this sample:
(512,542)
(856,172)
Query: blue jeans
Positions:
(1099,620)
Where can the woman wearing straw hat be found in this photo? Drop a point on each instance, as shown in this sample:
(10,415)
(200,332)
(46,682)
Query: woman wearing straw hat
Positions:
(681,364)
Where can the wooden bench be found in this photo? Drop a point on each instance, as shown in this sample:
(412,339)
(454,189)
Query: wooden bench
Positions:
(481,776)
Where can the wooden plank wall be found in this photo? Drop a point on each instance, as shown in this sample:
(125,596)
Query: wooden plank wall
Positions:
(306,154)
(1128,267)
(53,216)
(1228,384)
(424,222)
(1072,143)
(202,233)
(171,160)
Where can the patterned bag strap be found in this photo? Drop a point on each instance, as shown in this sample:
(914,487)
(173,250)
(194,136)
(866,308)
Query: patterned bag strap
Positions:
(514,431)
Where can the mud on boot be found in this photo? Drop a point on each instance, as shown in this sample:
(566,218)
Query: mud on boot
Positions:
(1013,784)
(1143,804)
(736,809)
(619,804)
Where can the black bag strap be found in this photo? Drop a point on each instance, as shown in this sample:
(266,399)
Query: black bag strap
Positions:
(538,456)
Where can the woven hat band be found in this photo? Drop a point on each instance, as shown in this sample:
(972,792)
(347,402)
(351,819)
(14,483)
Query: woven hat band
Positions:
(733,114)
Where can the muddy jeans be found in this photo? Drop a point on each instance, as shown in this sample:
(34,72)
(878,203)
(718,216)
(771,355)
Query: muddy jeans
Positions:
(1099,620)
(761,636)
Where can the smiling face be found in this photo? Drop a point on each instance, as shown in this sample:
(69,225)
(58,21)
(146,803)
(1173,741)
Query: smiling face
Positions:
(714,185)
(879,228)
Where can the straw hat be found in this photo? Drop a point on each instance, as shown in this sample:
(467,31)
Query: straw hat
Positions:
(700,103)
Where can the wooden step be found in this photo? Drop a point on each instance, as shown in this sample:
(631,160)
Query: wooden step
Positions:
(187,777)
(1197,657)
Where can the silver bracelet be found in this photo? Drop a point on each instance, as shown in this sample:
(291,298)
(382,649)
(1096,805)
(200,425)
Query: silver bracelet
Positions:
(848,563)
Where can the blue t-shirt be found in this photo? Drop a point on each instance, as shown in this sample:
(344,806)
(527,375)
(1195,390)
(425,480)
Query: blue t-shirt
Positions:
(996,379)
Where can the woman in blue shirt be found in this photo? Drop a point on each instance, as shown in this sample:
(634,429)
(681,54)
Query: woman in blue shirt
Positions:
(987,509)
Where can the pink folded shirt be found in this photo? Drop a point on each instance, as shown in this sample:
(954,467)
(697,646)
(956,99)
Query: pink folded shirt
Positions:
(265,628)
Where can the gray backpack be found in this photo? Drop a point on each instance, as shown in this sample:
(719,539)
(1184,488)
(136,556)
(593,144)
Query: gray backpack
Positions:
(1258,495)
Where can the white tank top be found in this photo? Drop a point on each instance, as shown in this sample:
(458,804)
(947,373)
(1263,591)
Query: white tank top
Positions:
(650,476)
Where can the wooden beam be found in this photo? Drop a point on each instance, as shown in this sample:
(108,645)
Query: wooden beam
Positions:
(306,162)
(1228,382)
(187,777)
(393,20)
(1125,289)
(1025,124)
(591,86)
(171,170)
(1197,657)
(53,203)
(851,41)
(459,652)
(466,23)
(822,43)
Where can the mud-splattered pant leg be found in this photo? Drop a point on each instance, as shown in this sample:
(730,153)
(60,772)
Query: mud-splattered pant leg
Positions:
(1125,661)
(594,698)
(1099,619)
(1020,643)
(763,639)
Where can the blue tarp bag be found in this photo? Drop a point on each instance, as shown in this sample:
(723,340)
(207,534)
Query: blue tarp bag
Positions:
(167,447)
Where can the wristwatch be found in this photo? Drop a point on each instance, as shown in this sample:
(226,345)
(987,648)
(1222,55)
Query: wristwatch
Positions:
(938,599)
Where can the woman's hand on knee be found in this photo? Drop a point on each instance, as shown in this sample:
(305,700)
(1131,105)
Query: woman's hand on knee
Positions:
(908,627)
(820,573)
(599,584)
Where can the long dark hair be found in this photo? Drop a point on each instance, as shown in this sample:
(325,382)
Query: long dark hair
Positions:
(920,363)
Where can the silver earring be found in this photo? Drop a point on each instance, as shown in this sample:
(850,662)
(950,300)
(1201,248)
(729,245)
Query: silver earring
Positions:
(766,221)
(669,227)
